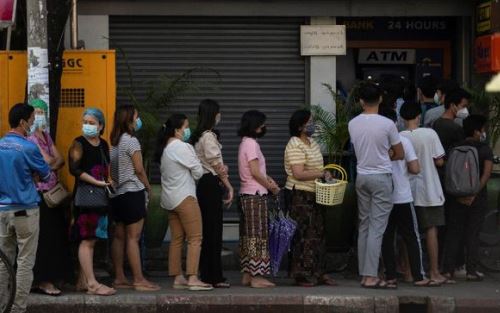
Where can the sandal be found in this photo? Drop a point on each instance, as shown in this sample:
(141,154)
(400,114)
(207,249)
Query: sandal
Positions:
(146,287)
(122,286)
(474,277)
(429,283)
(105,291)
(380,284)
(392,284)
(204,287)
(180,286)
(327,280)
(222,285)
(47,292)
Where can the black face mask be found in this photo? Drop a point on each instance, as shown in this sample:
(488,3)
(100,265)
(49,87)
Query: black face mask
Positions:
(262,132)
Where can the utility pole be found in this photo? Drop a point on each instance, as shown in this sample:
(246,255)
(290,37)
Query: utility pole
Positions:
(38,56)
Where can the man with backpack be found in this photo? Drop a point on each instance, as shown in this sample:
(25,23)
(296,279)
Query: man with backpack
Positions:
(468,170)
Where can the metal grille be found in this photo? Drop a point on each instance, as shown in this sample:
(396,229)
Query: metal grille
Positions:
(257,60)
(72,97)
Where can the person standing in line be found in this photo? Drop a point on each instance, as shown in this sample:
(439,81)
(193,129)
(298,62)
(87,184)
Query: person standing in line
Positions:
(88,162)
(303,165)
(20,161)
(210,192)
(403,219)
(442,90)
(254,237)
(373,136)
(52,264)
(426,188)
(468,214)
(426,89)
(180,168)
(128,202)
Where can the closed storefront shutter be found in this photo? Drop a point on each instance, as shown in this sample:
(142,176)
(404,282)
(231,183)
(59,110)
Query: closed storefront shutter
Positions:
(250,63)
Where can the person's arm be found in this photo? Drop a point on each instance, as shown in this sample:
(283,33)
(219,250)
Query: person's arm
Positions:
(398,152)
(413,167)
(439,162)
(74,160)
(58,162)
(301,174)
(186,156)
(261,179)
(37,164)
(140,172)
(213,155)
(487,170)
(437,149)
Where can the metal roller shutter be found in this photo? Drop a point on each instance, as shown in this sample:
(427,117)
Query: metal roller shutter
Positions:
(258,61)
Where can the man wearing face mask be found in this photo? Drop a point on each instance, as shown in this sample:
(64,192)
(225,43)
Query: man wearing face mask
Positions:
(449,132)
(20,160)
(468,213)
(443,89)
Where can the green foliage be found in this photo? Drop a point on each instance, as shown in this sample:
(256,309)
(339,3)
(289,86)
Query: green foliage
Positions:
(332,128)
(487,104)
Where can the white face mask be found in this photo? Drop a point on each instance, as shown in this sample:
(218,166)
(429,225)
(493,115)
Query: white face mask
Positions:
(217,119)
(483,137)
(436,98)
(463,113)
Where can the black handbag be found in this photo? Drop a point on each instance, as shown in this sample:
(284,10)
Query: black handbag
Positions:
(92,196)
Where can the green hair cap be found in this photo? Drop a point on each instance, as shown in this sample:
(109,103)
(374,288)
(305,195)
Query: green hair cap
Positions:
(39,104)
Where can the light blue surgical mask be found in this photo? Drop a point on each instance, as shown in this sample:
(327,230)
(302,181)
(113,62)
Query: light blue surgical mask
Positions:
(138,124)
(186,135)
(90,130)
(483,137)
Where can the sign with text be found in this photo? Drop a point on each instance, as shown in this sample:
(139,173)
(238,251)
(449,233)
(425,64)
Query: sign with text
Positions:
(487,17)
(487,53)
(386,56)
(322,40)
(7,12)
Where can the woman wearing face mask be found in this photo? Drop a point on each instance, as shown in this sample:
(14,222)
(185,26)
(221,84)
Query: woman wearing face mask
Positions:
(131,189)
(51,266)
(303,165)
(254,245)
(210,192)
(88,162)
(180,167)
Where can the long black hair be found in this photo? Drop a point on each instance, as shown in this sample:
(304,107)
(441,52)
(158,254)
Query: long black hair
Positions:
(167,131)
(207,111)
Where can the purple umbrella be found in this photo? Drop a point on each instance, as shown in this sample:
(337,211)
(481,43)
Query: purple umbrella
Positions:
(281,231)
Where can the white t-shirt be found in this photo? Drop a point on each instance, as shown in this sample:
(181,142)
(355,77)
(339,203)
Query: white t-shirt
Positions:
(426,187)
(400,175)
(372,136)
(180,167)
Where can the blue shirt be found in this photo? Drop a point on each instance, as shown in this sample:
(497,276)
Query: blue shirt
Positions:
(19,160)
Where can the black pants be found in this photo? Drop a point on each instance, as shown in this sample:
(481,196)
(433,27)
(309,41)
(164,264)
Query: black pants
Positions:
(464,224)
(210,194)
(53,256)
(403,220)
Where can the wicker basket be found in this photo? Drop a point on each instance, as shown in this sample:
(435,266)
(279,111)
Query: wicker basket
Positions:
(332,194)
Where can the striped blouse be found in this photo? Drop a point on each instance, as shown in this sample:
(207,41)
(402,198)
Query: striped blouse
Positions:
(298,152)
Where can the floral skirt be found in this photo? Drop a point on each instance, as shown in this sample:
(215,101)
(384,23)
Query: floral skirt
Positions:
(90,224)
(254,235)
(308,247)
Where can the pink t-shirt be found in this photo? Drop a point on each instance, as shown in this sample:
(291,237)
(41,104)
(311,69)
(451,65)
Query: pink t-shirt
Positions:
(250,150)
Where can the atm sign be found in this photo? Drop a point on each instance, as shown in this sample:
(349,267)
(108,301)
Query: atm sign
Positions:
(386,56)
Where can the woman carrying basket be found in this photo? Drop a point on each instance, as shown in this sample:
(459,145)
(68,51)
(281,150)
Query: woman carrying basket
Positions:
(303,165)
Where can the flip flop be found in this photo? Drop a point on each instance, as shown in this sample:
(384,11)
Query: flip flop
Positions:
(180,286)
(222,285)
(473,277)
(430,283)
(46,292)
(200,288)
(139,287)
(392,284)
(122,286)
(96,291)
(328,281)
(379,285)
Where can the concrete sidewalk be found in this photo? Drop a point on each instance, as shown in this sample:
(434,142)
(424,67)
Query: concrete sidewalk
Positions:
(483,297)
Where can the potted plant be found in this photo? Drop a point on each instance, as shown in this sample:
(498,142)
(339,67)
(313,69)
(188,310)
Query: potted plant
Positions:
(333,135)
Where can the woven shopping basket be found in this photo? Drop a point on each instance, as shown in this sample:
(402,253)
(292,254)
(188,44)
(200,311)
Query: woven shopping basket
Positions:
(332,194)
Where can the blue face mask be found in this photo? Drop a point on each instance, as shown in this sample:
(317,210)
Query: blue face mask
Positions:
(138,124)
(90,130)
(310,129)
(40,121)
(186,135)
